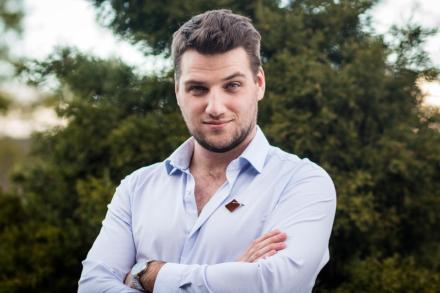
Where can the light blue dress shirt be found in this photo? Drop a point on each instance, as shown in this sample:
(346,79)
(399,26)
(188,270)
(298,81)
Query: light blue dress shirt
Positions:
(153,215)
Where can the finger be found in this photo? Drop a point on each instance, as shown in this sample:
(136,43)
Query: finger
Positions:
(266,239)
(267,235)
(279,237)
(253,246)
(266,249)
(127,280)
(270,253)
(256,245)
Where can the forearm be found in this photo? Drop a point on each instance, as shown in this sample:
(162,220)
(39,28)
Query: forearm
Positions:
(280,274)
(97,277)
(113,252)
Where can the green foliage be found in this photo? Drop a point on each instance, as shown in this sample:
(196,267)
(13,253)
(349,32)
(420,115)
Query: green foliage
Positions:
(152,23)
(11,15)
(115,121)
(392,274)
(10,24)
(12,154)
(333,95)
(4,102)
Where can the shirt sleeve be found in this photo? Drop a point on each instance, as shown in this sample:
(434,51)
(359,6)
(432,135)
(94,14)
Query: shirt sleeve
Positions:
(113,253)
(305,212)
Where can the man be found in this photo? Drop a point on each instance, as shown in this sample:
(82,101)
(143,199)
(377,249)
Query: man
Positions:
(226,212)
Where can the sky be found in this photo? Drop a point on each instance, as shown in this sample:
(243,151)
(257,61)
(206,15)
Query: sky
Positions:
(52,23)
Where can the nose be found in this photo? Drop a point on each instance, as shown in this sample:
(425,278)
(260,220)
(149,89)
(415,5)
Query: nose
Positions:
(215,107)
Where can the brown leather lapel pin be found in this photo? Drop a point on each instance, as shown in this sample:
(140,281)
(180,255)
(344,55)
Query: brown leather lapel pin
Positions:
(233,205)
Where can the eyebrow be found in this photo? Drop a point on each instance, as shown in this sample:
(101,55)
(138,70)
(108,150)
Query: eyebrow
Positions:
(229,77)
(234,75)
(193,82)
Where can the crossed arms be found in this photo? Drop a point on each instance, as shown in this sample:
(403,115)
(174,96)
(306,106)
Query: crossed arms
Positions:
(265,246)
(305,214)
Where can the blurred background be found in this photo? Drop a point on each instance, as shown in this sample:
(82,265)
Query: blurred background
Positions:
(87,96)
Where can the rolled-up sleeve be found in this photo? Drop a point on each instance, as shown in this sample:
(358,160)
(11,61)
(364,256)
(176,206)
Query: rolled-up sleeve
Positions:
(113,253)
(305,212)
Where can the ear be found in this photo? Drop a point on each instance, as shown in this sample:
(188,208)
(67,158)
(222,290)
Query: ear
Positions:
(261,83)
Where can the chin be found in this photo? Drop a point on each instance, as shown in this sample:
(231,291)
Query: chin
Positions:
(217,144)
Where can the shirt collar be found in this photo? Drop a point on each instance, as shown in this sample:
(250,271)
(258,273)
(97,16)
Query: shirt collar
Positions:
(255,154)
(181,157)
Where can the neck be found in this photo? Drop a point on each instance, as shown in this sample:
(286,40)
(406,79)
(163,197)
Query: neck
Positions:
(207,161)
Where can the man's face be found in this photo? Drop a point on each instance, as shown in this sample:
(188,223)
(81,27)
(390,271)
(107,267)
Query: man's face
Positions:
(218,96)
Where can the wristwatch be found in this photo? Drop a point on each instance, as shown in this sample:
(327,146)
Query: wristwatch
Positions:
(136,273)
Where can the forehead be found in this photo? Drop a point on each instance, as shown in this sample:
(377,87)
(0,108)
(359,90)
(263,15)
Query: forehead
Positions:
(204,67)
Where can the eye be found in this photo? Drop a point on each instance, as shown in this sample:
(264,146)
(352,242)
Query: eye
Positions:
(234,85)
(197,90)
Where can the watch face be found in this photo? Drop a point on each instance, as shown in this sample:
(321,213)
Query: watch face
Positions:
(138,268)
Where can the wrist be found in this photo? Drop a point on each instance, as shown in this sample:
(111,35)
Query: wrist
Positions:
(149,277)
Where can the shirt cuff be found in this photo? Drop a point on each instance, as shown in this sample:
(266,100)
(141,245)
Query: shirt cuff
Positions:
(170,278)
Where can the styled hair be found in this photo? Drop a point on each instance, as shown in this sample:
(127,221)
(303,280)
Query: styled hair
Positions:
(216,32)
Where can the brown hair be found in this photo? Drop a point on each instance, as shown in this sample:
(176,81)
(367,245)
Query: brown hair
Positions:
(217,31)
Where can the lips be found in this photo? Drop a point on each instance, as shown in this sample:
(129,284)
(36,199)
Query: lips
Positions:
(215,122)
(216,125)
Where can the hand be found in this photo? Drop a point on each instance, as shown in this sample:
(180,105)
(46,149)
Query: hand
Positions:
(265,246)
(128,279)
(148,278)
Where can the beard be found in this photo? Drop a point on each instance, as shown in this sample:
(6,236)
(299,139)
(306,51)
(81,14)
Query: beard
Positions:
(240,133)
(239,136)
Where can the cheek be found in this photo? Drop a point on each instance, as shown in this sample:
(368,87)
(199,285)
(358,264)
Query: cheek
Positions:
(190,111)
(247,104)
(185,113)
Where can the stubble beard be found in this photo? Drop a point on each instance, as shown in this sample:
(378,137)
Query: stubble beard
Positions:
(238,137)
